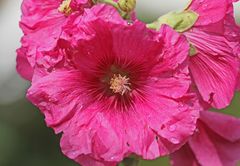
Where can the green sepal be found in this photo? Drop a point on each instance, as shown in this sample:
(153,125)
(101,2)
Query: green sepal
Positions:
(180,21)
(193,50)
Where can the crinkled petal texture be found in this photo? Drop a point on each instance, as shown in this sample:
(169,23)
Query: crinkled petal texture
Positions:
(216,37)
(209,11)
(152,117)
(41,23)
(217,142)
(214,68)
(23,66)
(226,26)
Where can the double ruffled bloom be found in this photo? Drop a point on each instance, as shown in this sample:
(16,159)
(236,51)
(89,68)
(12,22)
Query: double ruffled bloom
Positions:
(119,96)
(216,142)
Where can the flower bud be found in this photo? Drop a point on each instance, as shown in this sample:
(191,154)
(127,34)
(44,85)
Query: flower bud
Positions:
(127,5)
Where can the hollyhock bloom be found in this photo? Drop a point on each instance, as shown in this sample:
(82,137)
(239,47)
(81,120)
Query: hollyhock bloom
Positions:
(216,142)
(125,93)
(42,23)
(214,66)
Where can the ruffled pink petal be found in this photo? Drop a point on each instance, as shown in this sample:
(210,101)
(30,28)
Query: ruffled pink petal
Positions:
(204,149)
(174,52)
(77,26)
(110,135)
(184,157)
(41,23)
(44,39)
(209,11)
(47,94)
(226,126)
(211,149)
(37,14)
(226,27)
(23,66)
(232,31)
(214,68)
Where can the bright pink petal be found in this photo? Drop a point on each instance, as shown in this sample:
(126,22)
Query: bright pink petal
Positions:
(226,27)
(107,136)
(211,149)
(38,14)
(224,125)
(204,149)
(184,157)
(76,28)
(42,25)
(175,50)
(110,135)
(23,66)
(214,68)
(47,93)
(209,11)
(213,143)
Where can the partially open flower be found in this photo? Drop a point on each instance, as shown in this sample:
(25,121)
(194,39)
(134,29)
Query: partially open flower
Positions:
(125,93)
(215,45)
(216,142)
(216,37)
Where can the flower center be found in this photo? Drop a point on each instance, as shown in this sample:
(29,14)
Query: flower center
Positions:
(65,7)
(119,84)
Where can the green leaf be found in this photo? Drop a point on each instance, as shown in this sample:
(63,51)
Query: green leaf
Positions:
(180,21)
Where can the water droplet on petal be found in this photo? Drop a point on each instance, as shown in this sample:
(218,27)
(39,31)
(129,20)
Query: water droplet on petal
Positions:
(174,140)
(172,128)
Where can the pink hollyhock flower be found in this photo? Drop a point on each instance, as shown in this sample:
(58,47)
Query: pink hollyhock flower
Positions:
(125,93)
(214,67)
(216,143)
(42,23)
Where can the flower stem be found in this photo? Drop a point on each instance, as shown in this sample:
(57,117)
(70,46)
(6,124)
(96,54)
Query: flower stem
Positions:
(115,5)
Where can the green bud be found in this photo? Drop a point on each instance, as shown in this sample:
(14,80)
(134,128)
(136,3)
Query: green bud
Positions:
(180,21)
(127,5)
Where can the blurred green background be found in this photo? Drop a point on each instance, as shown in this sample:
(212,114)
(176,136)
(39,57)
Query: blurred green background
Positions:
(24,138)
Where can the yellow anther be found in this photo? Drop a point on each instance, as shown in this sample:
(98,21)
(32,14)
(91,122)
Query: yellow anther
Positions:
(119,84)
(65,7)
